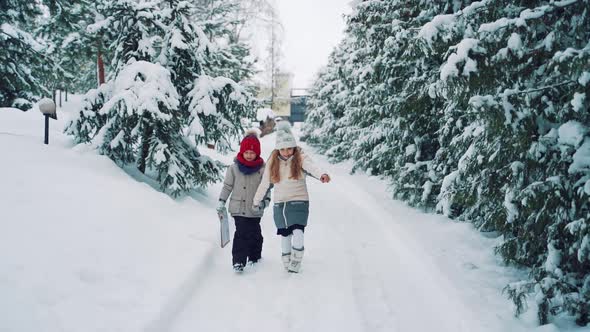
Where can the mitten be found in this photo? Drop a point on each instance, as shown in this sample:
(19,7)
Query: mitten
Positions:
(220,206)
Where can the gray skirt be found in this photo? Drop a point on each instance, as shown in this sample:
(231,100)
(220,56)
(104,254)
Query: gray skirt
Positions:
(291,213)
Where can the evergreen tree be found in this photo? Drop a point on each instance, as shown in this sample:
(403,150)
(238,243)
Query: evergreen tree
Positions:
(22,59)
(327,103)
(142,127)
(88,121)
(221,21)
(210,107)
(72,47)
(479,110)
(161,102)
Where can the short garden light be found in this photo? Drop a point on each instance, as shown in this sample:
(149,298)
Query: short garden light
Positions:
(47,107)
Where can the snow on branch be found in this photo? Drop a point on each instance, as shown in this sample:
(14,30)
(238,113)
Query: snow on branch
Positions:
(431,29)
(142,86)
(461,55)
(20,35)
(99,25)
(205,96)
(525,15)
(511,92)
(561,56)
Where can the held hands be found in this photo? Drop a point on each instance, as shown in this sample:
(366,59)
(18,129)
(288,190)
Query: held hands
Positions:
(261,206)
(325,178)
(265,203)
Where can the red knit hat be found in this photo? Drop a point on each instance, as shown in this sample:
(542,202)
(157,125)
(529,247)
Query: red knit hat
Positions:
(251,143)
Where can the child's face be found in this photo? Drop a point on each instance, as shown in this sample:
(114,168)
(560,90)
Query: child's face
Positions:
(249,155)
(287,152)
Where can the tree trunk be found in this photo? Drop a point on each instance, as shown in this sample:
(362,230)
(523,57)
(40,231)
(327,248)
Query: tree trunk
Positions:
(145,145)
(59,97)
(66,94)
(100,68)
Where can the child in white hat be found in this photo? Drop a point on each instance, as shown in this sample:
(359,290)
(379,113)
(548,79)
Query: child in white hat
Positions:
(286,170)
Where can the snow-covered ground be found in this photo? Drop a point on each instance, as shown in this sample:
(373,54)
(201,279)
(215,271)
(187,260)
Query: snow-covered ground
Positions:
(86,247)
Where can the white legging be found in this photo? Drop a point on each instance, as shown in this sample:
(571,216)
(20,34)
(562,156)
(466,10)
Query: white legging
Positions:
(297,241)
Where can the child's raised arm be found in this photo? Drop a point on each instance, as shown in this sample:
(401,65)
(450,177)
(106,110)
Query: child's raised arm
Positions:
(311,168)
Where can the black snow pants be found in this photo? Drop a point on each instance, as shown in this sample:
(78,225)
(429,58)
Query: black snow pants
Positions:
(247,240)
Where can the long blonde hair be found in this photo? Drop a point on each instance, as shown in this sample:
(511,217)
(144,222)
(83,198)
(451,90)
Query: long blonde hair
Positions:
(296,166)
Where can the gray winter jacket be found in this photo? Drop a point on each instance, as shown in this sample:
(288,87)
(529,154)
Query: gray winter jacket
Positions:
(242,188)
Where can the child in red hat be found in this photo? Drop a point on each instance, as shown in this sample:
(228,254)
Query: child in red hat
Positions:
(241,181)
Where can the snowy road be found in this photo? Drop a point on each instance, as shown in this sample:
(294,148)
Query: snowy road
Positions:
(91,248)
(363,271)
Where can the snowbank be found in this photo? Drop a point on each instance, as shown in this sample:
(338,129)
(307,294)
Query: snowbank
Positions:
(85,247)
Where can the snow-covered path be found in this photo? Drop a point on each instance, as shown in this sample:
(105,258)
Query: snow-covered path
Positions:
(362,271)
(86,247)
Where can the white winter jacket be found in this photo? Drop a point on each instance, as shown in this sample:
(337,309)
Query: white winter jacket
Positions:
(287,189)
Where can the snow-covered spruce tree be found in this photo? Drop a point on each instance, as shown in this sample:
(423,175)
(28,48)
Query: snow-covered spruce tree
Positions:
(516,176)
(142,128)
(408,68)
(390,105)
(222,21)
(133,29)
(138,123)
(218,104)
(22,59)
(154,115)
(544,107)
(360,91)
(327,103)
(72,47)
(509,85)
(353,80)
(455,57)
(210,107)
(88,121)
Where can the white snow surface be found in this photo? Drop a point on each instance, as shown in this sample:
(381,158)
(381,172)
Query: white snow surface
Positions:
(572,133)
(578,101)
(86,247)
(581,158)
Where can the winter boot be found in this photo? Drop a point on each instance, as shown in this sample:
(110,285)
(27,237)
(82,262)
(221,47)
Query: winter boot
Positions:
(286,257)
(238,267)
(252,264)
(296,258)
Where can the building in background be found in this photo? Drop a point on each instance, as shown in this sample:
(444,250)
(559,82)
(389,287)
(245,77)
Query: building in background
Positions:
(298,105)
(281,103)
(287,103)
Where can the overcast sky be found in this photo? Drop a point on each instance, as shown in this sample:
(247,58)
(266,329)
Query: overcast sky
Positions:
(312,29)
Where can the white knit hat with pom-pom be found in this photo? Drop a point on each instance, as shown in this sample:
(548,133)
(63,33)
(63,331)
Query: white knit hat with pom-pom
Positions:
(285,138)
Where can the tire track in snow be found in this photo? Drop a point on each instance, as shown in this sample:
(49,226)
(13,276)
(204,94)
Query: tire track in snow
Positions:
(407,279)
(183,294)
(368,288)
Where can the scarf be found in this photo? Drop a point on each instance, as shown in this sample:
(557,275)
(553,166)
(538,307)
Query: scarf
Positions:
(249,167)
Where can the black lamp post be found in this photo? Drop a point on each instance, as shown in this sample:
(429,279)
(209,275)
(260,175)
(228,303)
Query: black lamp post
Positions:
(47,107)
